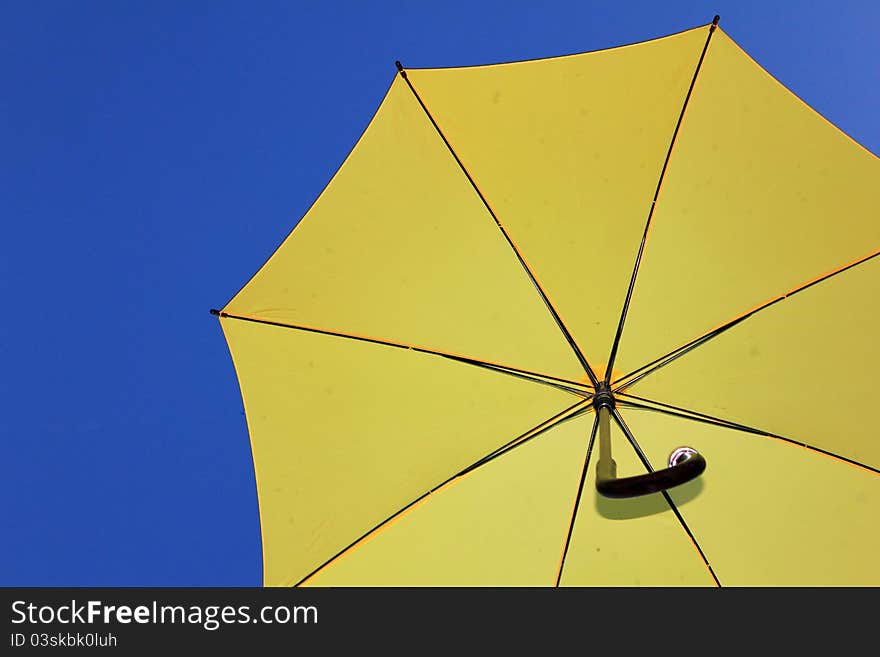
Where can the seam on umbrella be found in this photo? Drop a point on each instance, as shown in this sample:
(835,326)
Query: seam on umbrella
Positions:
(577,502)
(522,261)
(535,377)
(576,410)
(664,360)
(696,416)
(661,362)
(569,413)
(617,337)
(618,418)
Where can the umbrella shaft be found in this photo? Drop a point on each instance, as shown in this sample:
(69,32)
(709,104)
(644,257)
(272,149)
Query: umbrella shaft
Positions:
(606,468)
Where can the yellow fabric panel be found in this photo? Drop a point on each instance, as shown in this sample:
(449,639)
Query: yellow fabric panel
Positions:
(804,368)
(399,247)
(631,542)
(504,524)
(770,513)
(346,433)
(568,152)
(761,195)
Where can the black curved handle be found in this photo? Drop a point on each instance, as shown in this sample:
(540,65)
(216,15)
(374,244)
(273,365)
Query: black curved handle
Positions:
(609,485)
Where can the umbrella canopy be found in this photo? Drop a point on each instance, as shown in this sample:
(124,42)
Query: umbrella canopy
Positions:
(523,269)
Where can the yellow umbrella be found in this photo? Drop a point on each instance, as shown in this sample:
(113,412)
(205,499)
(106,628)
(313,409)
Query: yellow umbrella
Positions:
(528,284)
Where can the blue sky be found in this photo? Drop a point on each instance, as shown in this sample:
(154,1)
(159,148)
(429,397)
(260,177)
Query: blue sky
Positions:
(152,156)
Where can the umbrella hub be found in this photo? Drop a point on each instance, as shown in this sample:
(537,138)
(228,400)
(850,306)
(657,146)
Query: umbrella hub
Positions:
(603,397)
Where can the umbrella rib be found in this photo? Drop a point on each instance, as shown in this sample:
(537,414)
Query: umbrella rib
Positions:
(519,374)
(696,416)
(656,364)
(572,387)
(644,459)
(664,360)
(562,327)
(570,413)
(632,281)
(577,501)
(573,411)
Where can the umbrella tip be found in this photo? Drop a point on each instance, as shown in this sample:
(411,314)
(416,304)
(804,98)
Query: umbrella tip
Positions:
(399,66)
(716,19)
(214,311)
